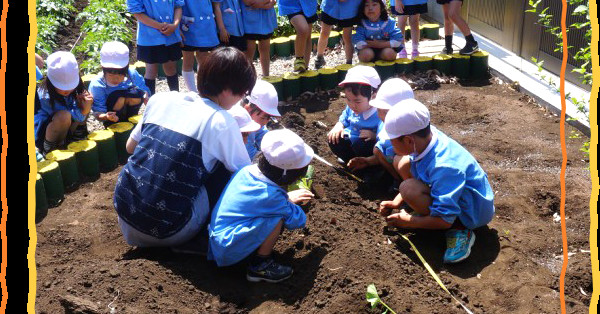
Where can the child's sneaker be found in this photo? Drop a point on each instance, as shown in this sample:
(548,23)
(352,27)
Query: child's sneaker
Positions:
(266,269)
(319,62)
(415,53)
(299,65)
(402,54)
(80,133)
(447,51)
(458,245)
(469,48)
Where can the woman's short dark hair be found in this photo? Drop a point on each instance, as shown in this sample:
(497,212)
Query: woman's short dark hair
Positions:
(384,13)
(226,68)
(360,89)
(276,175)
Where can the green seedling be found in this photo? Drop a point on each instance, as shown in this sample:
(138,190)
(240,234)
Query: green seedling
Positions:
(305,182)
(374,299)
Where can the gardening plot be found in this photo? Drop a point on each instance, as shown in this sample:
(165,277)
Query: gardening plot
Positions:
(83,262)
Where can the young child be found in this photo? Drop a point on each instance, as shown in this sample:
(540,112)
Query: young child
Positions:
(118,91)
(255,207)
(447,189)
(343,14)
(158,38)
(355,132)
(262,106)
(302,14)
(410,10)
(228,14)
(377,37)
(390,93)
(244,121)
(260,21)
(452,16)
(64,104)
(184,150)
(199,30)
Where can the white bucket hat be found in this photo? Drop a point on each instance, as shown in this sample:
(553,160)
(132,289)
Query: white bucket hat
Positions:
(286,150)
(63,70)
(114,54)
(265,97)
(392,92)
(406,117)
(362,74)
(243,119)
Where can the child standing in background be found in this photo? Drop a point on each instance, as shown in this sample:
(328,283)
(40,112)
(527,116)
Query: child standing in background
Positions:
(410,10)
(377,37)
(228,14)
(199,31)
(343,14)
(452,16)
(118,91)
(64,104)
(355,133)
(302,14)
(255,207)
(262,106)
(260,21)
(158,38)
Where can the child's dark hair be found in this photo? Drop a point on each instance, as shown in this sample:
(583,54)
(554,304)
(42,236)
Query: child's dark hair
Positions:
(121,71)
(383,15)
(254,109)
(47,86)
(422,133)
(276,175)
(226,68)
(360,89)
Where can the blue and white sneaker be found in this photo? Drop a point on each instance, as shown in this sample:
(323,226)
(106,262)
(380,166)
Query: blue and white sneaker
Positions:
(268,270)
(458,245)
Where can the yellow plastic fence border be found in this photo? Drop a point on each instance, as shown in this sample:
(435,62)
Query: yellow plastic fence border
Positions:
(433,274)
(33,30)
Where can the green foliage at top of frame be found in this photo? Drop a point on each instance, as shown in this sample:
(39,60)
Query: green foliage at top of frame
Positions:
(51,15)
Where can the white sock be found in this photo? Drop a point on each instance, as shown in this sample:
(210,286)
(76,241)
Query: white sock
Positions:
(190,80)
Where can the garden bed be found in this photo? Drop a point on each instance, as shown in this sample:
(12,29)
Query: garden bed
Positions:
(514,266)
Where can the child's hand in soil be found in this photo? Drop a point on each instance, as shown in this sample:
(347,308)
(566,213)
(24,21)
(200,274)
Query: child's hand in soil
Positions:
(358,163)
(386,207)
(400,220)
(336,133)
(367,135)
(110,116)
(300,196)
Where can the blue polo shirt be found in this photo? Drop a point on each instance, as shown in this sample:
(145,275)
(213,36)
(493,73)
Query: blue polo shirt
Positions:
(231,11)
(380,30)
(341,10)
(249,209)
(259,21)
(306,7)
(160,11)
(408,2)
(100,90)
(354,123)
(459,186)
(198,24)
(48,108)
(384,144)
(254,140)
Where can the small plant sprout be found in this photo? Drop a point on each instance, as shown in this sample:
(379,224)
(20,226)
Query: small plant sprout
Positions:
(374,299)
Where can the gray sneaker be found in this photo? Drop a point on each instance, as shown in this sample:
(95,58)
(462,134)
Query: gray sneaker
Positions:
(319,62)
(268,270)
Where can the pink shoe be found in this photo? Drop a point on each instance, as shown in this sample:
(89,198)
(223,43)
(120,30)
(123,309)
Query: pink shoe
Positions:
(415,52)
(402,54)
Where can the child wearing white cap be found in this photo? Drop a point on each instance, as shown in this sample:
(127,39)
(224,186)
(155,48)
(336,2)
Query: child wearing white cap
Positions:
(447,188)
(391,92)
(244,121)
(262,106)
(355,132)
(255,207)
(64,104)
(119,91)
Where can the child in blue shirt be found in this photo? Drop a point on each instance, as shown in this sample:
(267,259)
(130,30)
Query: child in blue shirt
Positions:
(199,30)
(410,10)
(302,14)
(64,104)
(119,91)
(260,21)
(262,106)
(255,207)
(158,38)
(355,132)
(377,37)
(447,189)
(228,14)
(343,14)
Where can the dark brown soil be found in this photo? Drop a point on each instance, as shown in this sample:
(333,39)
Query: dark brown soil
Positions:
(514,267)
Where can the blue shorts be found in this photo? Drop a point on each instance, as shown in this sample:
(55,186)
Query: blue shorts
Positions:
(159,54)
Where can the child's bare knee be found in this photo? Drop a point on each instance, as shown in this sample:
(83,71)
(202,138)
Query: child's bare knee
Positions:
(62,117)
(411,189)
(366,55)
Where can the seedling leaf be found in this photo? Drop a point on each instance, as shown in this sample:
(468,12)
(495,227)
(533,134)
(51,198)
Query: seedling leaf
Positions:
(372,296)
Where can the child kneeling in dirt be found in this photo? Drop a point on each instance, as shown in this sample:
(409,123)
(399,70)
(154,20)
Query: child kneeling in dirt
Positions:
(448,189)
(255,207)
(261,104)
(355,132)
(244,121)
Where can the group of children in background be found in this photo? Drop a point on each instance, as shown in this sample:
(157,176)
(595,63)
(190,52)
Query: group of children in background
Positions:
(190,180)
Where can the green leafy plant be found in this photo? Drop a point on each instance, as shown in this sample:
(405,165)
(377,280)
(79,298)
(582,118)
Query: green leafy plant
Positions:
(374,299)
(51,16)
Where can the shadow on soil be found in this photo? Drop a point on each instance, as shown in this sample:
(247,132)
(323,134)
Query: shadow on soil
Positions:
(230,283)
(432,244)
